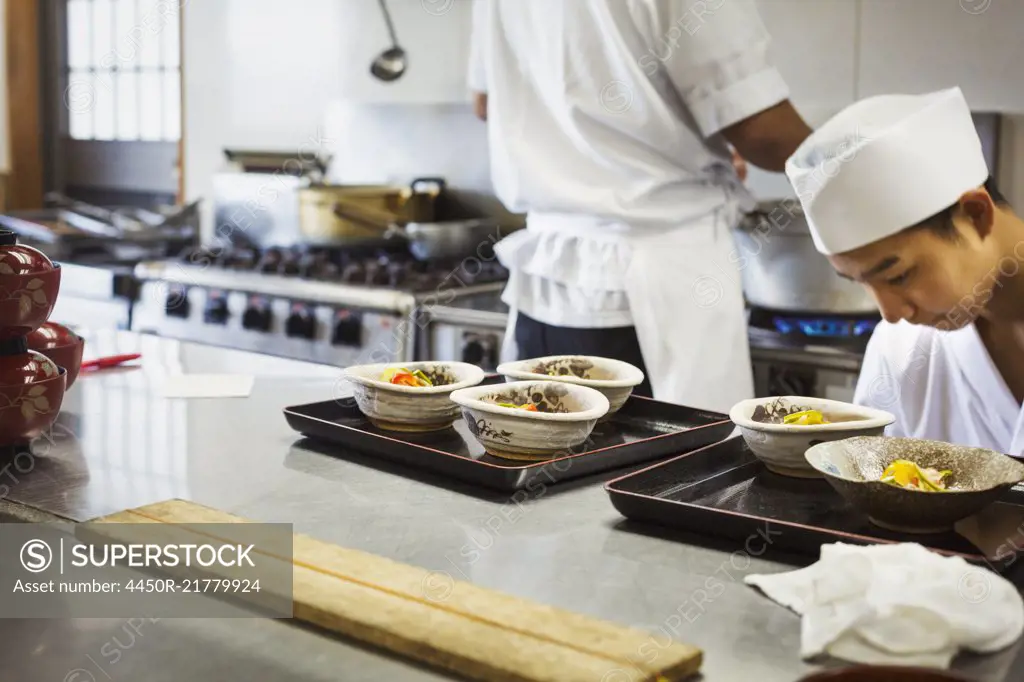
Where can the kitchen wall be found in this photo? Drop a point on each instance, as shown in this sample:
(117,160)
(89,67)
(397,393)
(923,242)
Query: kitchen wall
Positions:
(294,75)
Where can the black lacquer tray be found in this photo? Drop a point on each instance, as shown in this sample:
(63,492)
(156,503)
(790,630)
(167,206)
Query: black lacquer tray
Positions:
(723,491)
(642,431)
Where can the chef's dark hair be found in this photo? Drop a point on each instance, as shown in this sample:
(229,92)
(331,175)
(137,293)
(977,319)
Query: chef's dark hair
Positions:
(942,222)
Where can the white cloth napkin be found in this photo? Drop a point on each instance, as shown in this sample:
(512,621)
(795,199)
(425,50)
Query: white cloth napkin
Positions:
(896,605)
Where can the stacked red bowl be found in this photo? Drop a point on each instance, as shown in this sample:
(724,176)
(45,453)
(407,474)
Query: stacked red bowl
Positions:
(32,385)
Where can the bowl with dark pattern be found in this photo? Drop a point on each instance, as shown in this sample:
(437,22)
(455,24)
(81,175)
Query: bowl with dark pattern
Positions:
(782,446)
(413,409)
(614,378)
(531,420)
(854,466)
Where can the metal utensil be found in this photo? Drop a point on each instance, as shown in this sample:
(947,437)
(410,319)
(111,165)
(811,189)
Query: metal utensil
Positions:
(782,270)
(390,64)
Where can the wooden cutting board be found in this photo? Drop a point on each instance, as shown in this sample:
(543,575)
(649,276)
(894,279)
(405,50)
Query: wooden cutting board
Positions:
(477,633)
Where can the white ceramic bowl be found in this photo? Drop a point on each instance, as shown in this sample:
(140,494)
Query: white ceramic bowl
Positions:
(614,378)
(567,415)
(782,446)
(411,408)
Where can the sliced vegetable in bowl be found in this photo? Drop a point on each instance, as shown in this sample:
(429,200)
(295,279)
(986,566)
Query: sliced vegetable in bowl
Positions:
(806,418)
(906,474)
(400,376)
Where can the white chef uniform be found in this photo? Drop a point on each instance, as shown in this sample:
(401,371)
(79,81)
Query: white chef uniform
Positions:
(602,119)
(880,166)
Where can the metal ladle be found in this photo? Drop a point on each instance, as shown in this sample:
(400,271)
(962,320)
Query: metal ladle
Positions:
(389,64)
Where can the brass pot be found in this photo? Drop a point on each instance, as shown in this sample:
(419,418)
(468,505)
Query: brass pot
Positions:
(322,208)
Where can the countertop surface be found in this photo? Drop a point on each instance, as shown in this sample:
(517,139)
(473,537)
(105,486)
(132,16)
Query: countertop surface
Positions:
(121,444)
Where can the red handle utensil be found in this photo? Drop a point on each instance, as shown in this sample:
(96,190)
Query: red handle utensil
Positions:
(111,361)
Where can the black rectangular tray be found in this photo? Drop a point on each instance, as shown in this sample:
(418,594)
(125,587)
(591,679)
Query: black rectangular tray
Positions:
(642,431)
(723,491)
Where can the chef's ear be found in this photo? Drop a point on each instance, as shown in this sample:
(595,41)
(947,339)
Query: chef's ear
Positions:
(979,207)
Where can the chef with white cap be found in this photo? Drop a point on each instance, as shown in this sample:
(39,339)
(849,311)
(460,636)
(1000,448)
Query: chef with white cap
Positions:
(898,196)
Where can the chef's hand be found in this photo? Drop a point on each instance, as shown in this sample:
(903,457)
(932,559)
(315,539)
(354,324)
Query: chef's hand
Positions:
(740,164)
(480,105)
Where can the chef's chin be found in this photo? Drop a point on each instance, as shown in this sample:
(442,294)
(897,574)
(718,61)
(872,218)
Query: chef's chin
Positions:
(958,319)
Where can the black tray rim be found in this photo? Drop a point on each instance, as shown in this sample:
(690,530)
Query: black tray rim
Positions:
(291,410)
(614,492)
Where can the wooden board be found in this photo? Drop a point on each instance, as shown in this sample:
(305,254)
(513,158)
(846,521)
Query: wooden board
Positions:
(478,633)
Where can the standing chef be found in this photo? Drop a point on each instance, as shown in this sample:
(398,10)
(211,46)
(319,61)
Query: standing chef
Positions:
(609,125)
(898,196)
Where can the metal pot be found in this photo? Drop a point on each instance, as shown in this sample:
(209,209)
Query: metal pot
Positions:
(320,221)
(782,270)
(439,240)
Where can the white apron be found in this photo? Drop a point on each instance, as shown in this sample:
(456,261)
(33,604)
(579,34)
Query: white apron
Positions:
(940,386)
(686,301)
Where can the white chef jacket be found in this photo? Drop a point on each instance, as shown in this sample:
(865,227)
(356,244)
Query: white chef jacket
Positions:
(940,386)
(603,118)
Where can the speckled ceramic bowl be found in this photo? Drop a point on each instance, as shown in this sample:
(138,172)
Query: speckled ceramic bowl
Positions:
(782,446)
(409,408)
(614,378)
(854,466)
(565,416)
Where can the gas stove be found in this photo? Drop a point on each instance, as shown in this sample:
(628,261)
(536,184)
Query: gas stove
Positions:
(813,354)
(331,305)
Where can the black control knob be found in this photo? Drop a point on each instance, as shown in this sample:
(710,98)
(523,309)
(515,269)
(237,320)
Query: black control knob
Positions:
(176,304)
(216,311)
(300,325)
(256,318)
(348,331)
(474,352)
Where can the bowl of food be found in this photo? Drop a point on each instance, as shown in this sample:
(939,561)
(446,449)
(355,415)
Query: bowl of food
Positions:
(614,378)
(779,430)
(531,420)
(411,397)
(911,485)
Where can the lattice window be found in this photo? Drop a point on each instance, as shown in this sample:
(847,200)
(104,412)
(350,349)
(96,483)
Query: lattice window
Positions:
(124,70)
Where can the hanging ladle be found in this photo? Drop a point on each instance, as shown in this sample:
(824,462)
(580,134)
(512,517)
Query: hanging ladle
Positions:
(389,64)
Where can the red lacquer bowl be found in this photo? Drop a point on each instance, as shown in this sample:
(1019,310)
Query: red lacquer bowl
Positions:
(61,345)
(28,410)
(29,283)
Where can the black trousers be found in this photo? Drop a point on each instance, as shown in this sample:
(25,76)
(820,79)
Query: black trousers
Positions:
(536,339)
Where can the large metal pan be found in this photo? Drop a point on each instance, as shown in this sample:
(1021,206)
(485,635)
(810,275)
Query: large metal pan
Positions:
(440,240)
(782,270)
(320,222)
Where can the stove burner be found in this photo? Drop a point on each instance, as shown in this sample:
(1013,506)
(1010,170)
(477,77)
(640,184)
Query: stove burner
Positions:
(818,327)
(821,329)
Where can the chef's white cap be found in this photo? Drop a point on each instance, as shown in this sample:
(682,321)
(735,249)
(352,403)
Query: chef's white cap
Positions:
(884,164)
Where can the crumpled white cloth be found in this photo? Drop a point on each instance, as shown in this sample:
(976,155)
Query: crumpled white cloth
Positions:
(896,604)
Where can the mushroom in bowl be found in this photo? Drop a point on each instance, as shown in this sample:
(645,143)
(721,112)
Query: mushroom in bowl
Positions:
(411,397)
(531,420)
(915,486)
(779,430)
(614,378)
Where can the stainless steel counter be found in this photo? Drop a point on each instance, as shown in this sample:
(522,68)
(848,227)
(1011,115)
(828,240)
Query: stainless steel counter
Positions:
(126,445)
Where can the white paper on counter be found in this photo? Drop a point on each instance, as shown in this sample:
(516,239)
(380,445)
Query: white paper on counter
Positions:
(208,386)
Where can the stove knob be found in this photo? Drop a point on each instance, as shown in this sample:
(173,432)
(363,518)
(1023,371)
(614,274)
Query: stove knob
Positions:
(176,304)
(348,332)
(300,325)
(256,318)
(474,352)
(216,311)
